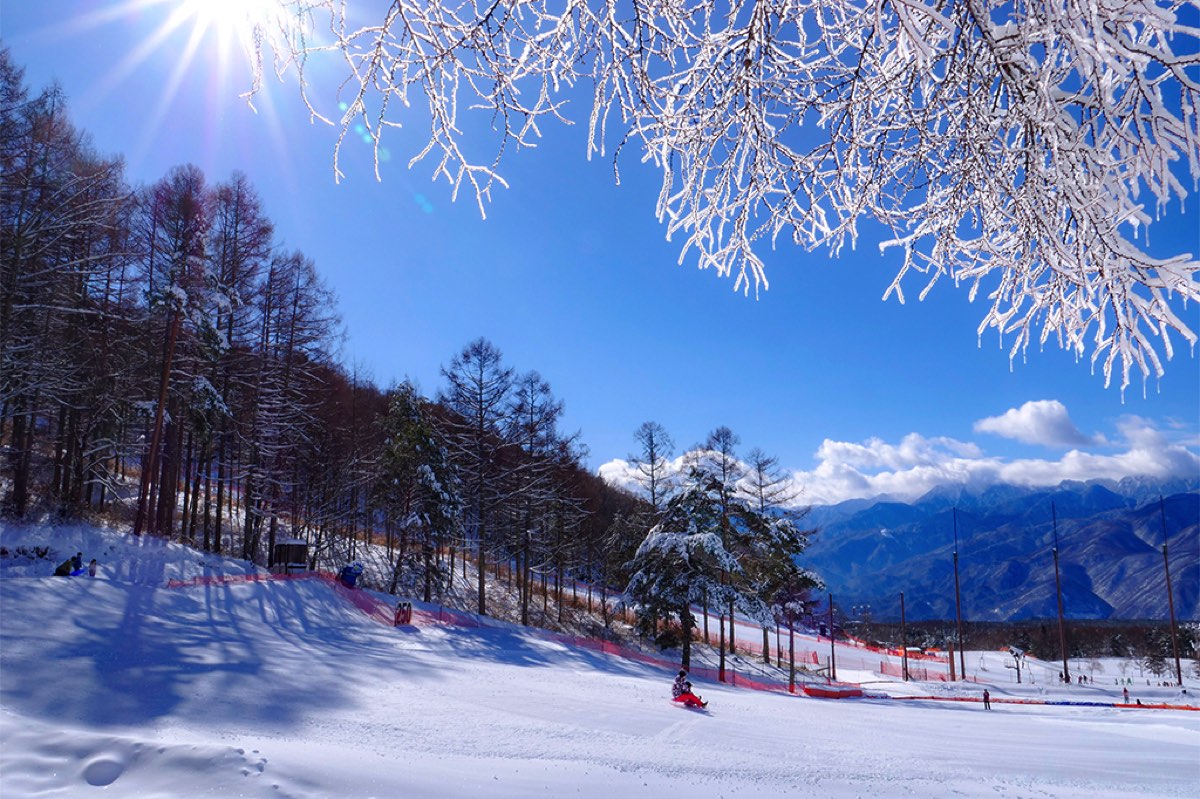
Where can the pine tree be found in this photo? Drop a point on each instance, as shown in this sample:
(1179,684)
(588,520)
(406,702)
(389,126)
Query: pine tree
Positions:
(417,486)
(713,545)
(682,561)
(716,459)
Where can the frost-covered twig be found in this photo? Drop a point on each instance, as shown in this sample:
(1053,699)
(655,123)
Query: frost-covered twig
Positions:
(1011,146)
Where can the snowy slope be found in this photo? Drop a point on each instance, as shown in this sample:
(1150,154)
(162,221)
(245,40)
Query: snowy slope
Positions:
(284,689)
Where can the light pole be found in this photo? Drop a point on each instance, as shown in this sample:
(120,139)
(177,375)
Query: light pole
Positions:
(832,652)
(1162,508)
(1062,633)
(1017,654)
(962,667)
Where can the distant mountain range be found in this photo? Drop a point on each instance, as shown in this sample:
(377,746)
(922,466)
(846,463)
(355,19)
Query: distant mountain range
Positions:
(1110,551)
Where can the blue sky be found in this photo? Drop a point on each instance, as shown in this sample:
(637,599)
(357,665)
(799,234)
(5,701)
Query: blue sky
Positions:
(571,275)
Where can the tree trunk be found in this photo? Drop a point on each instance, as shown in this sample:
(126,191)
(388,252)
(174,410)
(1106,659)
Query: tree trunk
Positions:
(186,473)
(791,659)
(148,468)
(687,622)
(222,455)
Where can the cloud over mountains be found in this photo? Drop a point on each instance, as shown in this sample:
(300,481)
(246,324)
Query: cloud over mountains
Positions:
(1044,422)
(917,463)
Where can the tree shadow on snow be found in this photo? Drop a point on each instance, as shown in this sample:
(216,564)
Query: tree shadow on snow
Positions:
(174,653)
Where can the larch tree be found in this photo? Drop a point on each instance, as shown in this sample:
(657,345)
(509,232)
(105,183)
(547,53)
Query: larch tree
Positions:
(297,328)
(652,463)
(60,215)
(174,226)
(242,240)
(478,395)
(770,488)
(1022,149)
(789,605)
(775,495)
(533,416)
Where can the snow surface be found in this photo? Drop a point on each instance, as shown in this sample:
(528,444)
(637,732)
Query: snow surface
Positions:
(122,687)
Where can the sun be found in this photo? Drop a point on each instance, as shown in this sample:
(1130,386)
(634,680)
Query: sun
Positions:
(244,23)
(221,34)
(192,56)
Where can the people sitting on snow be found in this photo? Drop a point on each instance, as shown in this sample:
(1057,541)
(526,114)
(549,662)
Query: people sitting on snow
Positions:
(681,690)
(71,566)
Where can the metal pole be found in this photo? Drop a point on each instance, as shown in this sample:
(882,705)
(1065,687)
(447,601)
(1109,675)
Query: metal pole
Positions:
(721,649)
(962,667)
(1170,596)
(1062,634)
(791,657)
(903,640)
(832,654)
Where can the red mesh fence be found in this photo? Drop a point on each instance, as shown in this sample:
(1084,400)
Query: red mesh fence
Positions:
(919,673)
(383,612)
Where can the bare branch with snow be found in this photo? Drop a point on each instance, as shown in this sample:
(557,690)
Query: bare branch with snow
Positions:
(1023,149)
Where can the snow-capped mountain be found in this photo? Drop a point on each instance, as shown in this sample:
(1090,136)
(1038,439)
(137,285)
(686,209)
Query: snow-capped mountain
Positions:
(1110,551)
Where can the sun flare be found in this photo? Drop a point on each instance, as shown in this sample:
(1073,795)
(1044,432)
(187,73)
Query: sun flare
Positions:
(242,22)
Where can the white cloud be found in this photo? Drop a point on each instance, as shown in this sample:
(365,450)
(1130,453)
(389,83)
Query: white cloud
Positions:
(1044,422)
(916,464)
(619,472)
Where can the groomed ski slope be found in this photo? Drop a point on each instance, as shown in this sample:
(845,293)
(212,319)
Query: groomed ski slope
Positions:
(284,689)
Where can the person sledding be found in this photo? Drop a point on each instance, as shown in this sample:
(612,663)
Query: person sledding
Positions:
(681,690)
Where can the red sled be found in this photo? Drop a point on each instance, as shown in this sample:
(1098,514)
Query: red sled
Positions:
(690,700)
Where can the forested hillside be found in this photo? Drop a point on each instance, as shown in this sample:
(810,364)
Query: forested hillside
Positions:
(167,362)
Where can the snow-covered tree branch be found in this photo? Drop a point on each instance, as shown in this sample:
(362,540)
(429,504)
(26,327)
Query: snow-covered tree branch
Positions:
(1021,148)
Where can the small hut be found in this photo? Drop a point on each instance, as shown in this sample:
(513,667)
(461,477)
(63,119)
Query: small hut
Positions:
(290,555)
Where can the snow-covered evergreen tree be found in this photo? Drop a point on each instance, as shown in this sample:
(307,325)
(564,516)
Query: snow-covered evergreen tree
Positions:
(683,560)
(417,485)
(712,545)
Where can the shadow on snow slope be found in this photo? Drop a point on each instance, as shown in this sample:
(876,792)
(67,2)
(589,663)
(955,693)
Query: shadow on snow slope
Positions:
(120,654)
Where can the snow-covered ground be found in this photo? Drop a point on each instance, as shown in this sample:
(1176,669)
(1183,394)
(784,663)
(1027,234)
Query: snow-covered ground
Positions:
(120,686)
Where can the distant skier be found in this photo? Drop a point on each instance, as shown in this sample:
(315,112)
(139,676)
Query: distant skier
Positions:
(1125,693)
(92,568)
(681,690)
(987,700)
